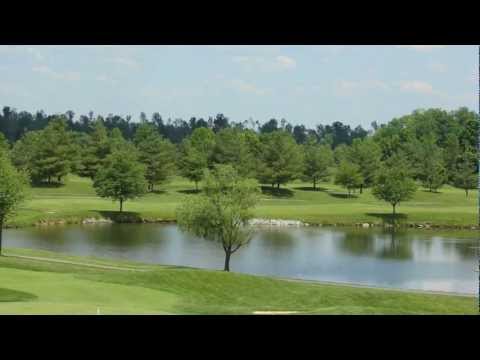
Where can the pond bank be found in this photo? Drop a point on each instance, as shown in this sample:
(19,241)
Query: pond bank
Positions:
(129,218)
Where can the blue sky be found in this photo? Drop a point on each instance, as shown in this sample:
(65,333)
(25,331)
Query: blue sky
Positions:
(303,84)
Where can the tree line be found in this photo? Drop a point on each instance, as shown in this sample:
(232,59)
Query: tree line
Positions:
(15,124)
(432,147)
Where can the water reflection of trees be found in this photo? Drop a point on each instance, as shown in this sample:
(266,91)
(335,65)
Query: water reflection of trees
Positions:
(388,244)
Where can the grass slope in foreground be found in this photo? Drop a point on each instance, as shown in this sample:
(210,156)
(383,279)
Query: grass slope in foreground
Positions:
(43,287)
(76,200)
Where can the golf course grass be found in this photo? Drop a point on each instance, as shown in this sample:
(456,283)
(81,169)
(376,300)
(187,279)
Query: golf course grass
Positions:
(40,282)
(76,200)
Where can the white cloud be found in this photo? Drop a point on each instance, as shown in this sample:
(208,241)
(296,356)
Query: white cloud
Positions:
(278,63)
(69,75)
(245,87)
(349,88)
(416,86)
(438,67)
(421,48)
(286,62)
(125,61)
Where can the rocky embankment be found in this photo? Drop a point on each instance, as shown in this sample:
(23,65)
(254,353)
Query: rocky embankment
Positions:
(276,222)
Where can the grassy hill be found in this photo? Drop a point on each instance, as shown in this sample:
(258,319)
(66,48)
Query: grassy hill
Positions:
(48,283)
(329,205)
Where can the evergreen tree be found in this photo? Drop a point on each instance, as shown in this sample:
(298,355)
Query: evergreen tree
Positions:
(318,159)
(122,177)
(281,159)
(156,153)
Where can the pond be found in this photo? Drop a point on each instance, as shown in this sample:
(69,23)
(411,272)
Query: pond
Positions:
(423,260)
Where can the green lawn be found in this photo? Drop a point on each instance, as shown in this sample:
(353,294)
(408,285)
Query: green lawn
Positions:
(76,200)
(42,287)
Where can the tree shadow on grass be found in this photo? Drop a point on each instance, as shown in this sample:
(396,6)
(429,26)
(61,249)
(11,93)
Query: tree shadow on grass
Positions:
(9,295)
(310,188)
(342,195)
(121,217)
(389,219)
(281,193)
(158,192)
(431,192)
(51,185)
(190,191)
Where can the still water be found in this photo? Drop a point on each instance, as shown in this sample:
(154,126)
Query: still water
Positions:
(423,260)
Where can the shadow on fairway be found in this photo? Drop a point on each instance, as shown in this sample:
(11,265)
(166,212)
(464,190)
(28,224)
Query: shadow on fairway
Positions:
(342,195)
(189,191)
(431,192)
(8,295)
(388,219)
(310,188)
(158,192)
(282,193)
(51,185)
(121,217)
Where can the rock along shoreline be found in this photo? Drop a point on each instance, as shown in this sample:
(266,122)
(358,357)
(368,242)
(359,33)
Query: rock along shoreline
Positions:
(257,222)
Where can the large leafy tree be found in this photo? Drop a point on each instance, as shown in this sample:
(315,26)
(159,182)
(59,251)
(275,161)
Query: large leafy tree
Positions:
(394,184)
(156,153)
(195,154)
(466,176)
(96,149)
(122,177)
(429,164)
(349,176)
(4,146)
(318,159)
(232,147)
(223,211)
(46,154)
(365,153)
(281,159)
(13,185)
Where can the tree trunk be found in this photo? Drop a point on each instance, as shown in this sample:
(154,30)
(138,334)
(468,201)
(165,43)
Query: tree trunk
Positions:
(466,193)
(393,213)
(361,189)
(273,186)
(196,185)
(227,260)
(1,228)
(314,184)
(121,205)
(278,186)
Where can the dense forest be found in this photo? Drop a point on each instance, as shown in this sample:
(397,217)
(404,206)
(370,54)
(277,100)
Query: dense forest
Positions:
(433,147)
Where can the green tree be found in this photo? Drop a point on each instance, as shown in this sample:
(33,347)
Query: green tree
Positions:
(13,186)
(393,184)
(96,149)
(466,176)
(156,153)
(223,211)
(4,146)
(122,178)
(232,147)
(195,154)
(348,175)
(281,159)
(365,153)
(451,153)
(340,154)
(46,154)
(429,164)
(318,159)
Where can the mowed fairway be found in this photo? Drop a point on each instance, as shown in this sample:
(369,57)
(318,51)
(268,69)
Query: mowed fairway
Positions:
(328,205)
(34,286)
